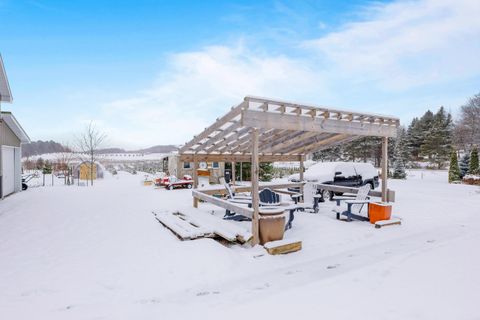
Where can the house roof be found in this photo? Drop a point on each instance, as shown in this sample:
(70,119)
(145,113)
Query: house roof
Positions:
(287,131)
(13,124)
(5,93)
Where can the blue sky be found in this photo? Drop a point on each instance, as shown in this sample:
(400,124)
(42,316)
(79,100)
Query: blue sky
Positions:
(158,72)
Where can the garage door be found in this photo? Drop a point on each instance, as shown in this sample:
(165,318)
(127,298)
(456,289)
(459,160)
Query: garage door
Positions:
(8,165)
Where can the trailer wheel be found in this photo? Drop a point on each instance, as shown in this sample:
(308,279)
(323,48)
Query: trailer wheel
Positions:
(170,187)
(189,186)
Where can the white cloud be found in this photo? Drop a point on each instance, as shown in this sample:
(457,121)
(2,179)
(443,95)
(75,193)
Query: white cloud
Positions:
(379,64)
(402,45)
(199,86)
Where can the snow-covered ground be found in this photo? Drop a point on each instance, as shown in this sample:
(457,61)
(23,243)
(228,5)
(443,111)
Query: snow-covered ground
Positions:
(98,253)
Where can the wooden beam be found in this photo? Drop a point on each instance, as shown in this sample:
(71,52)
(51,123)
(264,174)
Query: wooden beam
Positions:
(254,119)
(226,141)
(267,138)
(195,180)
(235,111)
(235,207)
(342,189)
(255,195)
(248,188)
(319,143)
(244,143)
(233,172)
(384,169)
(319,109)
(299,138)
(302,169)
(228,157)
(219,137)
(241,171)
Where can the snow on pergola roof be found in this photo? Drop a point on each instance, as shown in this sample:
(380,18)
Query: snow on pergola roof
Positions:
(5,93)
(287,131)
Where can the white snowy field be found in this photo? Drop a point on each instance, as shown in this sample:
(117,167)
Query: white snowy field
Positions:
(98,253)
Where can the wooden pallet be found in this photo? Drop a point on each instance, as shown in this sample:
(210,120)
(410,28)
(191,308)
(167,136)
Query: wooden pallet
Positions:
(198,224)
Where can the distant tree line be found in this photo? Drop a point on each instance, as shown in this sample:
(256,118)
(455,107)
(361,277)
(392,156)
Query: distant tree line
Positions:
(42,147)
(430,138)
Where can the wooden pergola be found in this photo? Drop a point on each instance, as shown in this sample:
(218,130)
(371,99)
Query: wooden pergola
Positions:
(265,130)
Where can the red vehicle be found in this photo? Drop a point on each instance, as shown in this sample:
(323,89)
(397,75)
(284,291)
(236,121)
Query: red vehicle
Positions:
(173,182)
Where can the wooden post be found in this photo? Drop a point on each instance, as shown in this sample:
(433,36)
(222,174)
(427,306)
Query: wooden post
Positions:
(241,173)
(302,168)
(195,180)
(233,173)
(384,168)
(255,195)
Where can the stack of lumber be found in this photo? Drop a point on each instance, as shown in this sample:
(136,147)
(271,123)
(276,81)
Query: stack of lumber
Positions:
(196,224)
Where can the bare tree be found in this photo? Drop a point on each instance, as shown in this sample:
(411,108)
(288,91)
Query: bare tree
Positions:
(88,144)
(467,132)
(63,162)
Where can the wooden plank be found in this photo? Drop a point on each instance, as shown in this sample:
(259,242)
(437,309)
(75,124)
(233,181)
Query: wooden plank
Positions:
(234,128)
(277,146)
(302,169)
(384,168)
(248,189)
(391,222)
(255,180)
(226,141)
(353,190)
(283,246)
(227,230)
(197,224)
(245,142)
(195,180)
(315,142)
(257,119)
(318,108)
(245,211)
(181,228)
(227,157)
(235,111)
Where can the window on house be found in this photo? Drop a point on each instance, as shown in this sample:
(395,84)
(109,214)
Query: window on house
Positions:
(215,165)
(186,165)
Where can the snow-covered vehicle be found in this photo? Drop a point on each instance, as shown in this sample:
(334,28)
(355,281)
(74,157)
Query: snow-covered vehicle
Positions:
(173,182)
(348,174)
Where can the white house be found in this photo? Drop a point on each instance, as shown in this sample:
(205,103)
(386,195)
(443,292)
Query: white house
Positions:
(12,136)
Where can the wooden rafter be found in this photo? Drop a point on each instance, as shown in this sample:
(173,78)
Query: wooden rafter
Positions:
(286,128)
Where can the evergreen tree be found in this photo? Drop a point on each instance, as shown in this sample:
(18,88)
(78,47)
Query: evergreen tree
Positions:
(266,171)
(398,163)
(413,139)
(464,165)
(454,171)
(474,167)
(437,144)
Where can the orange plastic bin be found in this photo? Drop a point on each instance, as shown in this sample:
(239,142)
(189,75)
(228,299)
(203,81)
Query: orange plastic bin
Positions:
(379,211)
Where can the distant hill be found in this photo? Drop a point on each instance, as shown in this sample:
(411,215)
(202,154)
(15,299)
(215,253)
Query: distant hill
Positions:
(158,149)
(112,150)
(42,147)
(154,149)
